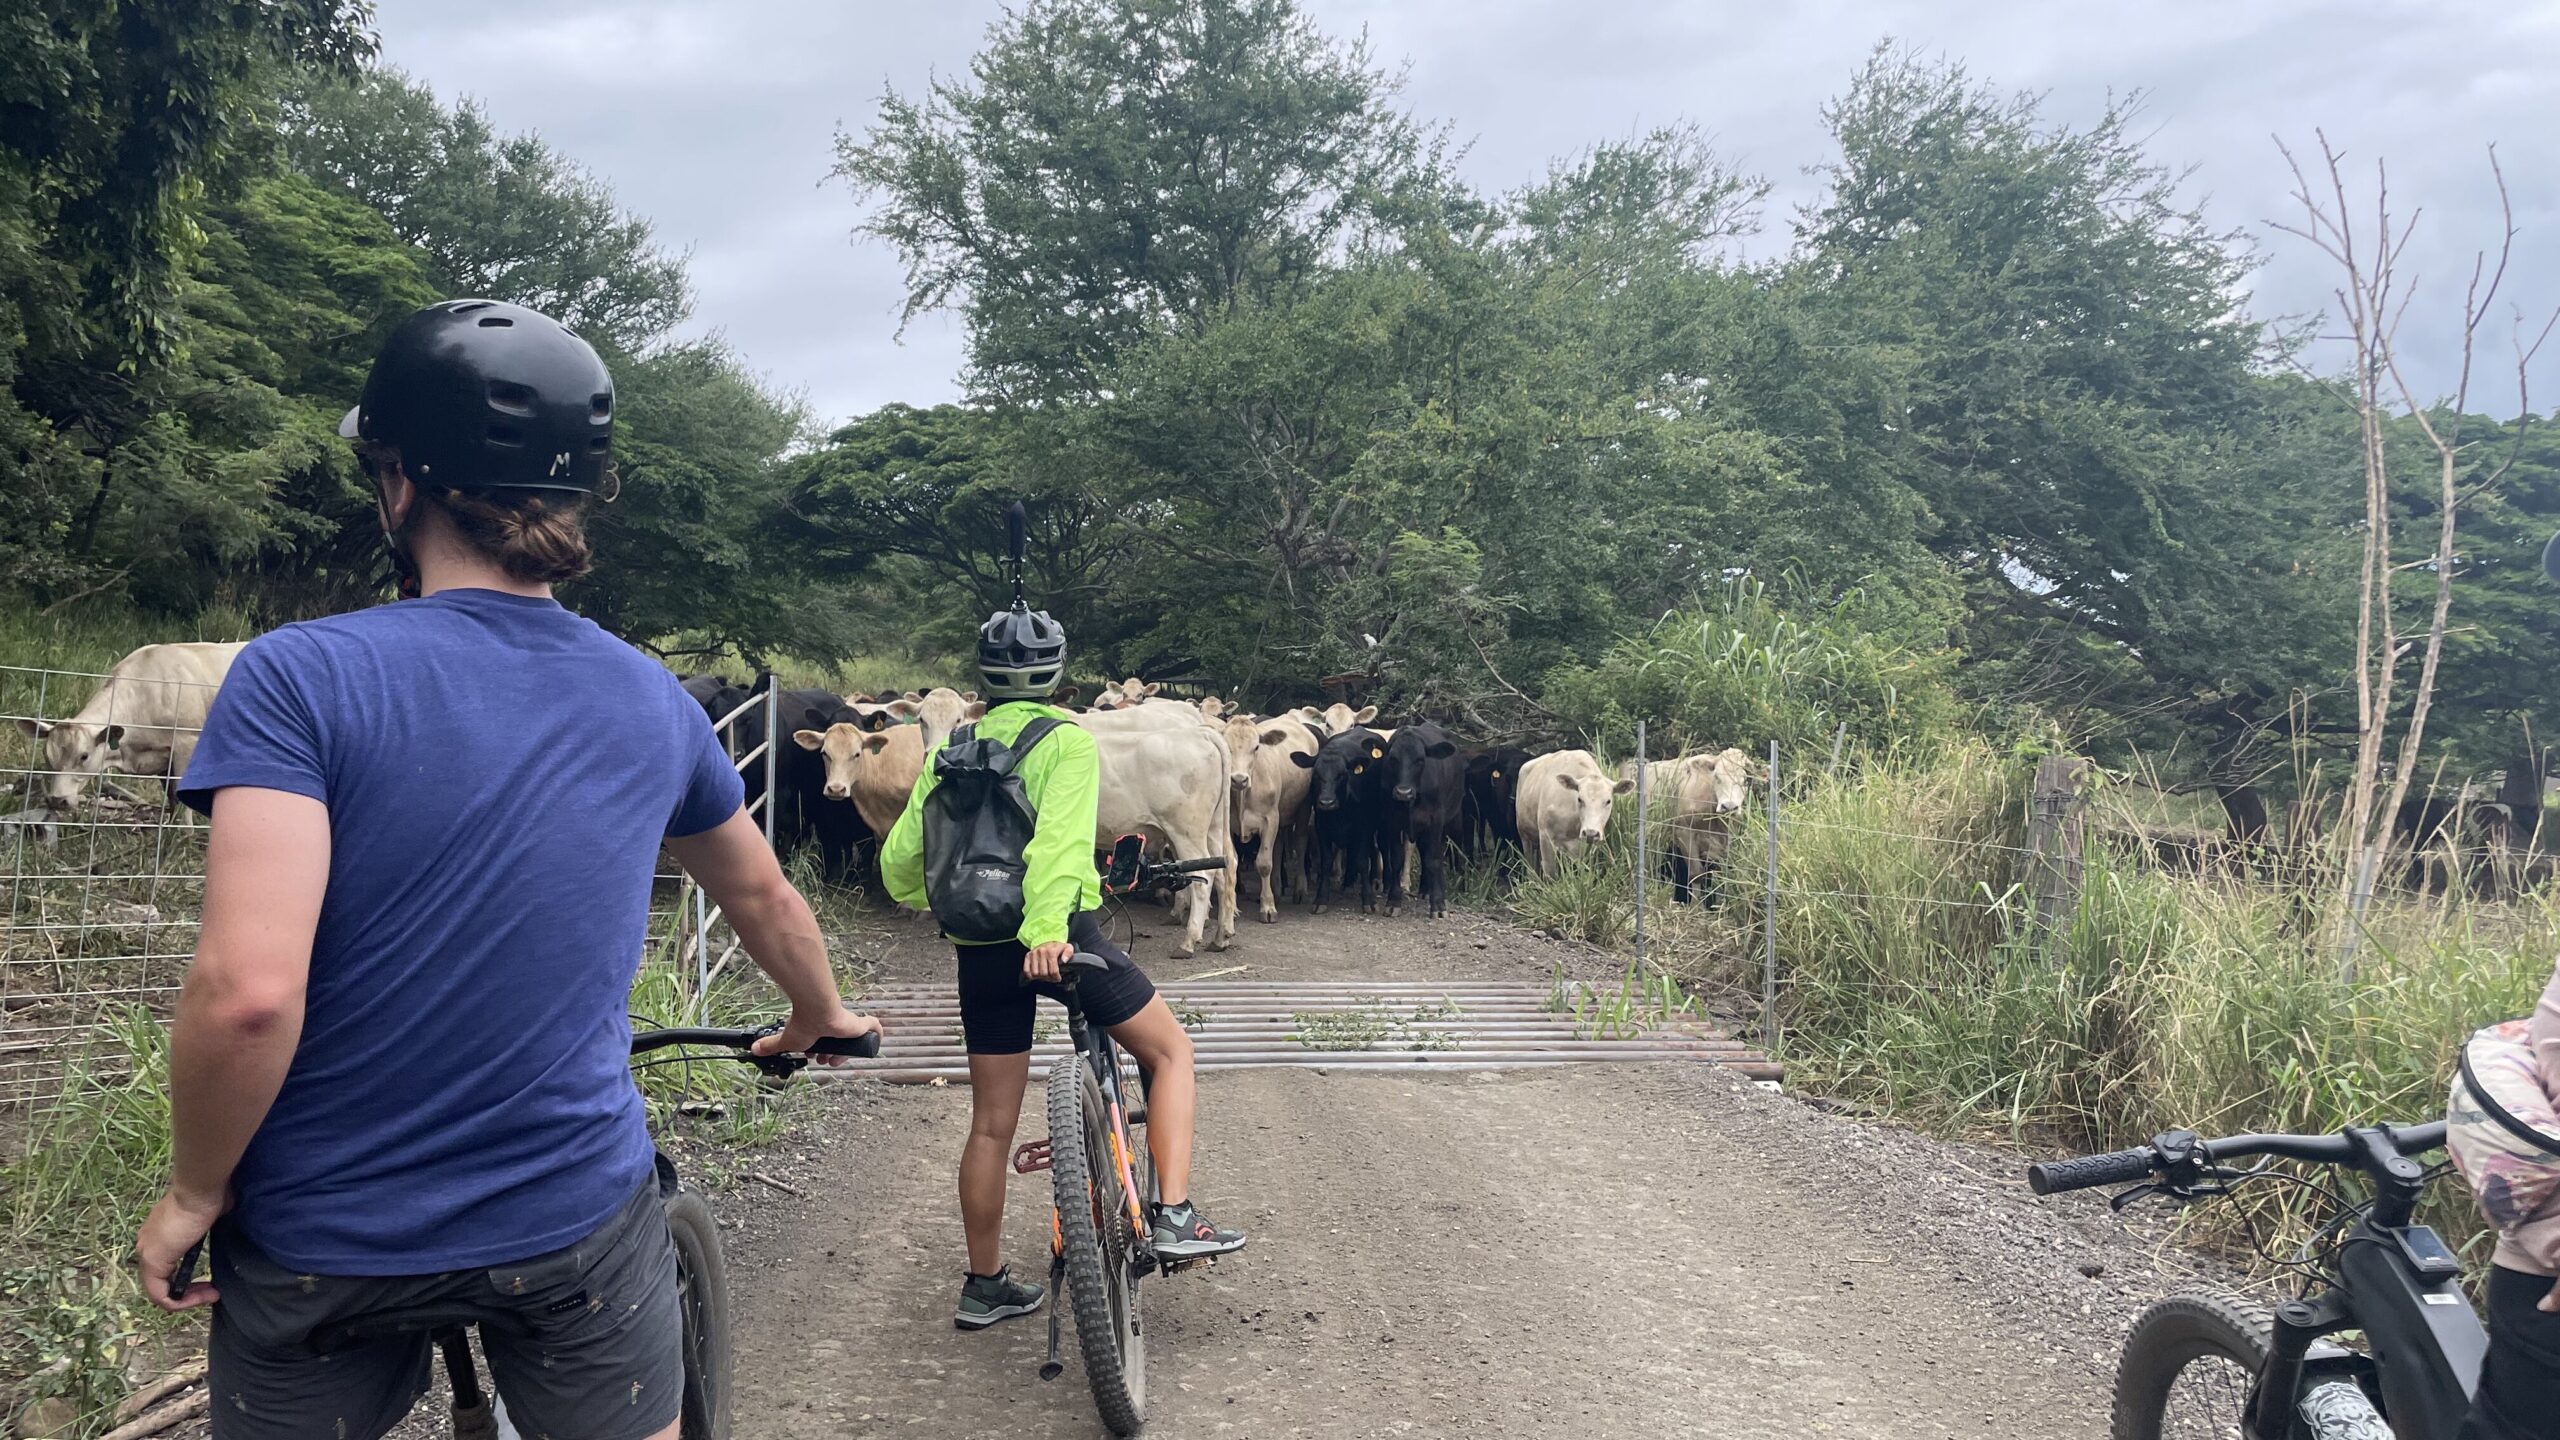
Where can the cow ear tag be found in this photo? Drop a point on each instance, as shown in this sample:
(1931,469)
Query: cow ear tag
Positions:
(1497,774)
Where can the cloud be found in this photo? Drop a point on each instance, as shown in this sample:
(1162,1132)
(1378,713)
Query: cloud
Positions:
(716,120)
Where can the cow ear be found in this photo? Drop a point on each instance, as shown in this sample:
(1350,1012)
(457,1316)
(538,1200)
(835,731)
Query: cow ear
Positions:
(115,737)
(1366,714)
(1568,782)
(903,708)
(1302,759)
(1065,694)
(969,695)
(808,739)
(1150,689)
(34,729)
(1623,786)
(875,718)
(977,710)
(875,742)
(1440,749)
(1276,735)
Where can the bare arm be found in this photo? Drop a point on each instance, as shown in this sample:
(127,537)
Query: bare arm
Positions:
(738,871)
(239,1013)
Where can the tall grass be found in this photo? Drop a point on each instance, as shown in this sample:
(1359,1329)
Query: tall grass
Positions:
(1913,979)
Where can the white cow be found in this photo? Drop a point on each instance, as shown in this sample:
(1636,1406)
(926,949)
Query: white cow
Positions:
(1699,795)
(143,720)
(1172,786)
(1271,799)
(1564,805)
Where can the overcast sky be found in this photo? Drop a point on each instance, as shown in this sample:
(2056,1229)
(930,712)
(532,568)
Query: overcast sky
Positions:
(715,119)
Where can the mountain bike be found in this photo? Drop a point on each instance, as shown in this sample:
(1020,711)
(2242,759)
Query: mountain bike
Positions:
(702,1272)
(2209,1365)
(1103,1189)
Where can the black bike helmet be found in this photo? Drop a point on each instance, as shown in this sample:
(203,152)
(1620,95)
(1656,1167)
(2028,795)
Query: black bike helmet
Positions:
(1022,654)
(483,395)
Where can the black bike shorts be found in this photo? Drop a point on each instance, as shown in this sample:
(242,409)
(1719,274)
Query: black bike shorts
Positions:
(2522,1375)
(586,1341)
(996,1008)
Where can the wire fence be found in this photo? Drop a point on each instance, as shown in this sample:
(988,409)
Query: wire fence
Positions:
(1727,864)
(102,871)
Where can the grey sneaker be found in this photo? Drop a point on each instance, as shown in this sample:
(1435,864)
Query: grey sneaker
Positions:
(986,1299)
(1183,1233)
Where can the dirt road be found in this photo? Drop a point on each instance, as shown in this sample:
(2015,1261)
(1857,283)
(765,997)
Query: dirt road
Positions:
(1594,1251)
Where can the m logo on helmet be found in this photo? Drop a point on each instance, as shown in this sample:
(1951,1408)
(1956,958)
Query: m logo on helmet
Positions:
(560,464)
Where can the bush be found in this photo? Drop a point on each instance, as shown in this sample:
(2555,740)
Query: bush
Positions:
(1745,667)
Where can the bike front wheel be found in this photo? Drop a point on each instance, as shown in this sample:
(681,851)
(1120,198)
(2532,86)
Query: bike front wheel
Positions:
(702,1289)
(1093,1233)
(2188,1368)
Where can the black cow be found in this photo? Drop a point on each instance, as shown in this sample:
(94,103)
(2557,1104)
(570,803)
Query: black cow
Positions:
(1489,821)
(1425,785)
(716,694)
(801,807)
(1349,807)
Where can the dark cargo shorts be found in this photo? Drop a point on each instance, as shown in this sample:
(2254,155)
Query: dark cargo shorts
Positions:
(996,1008)
(585,1343)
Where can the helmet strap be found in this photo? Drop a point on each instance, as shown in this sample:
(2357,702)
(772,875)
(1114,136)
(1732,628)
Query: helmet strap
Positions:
(395,539)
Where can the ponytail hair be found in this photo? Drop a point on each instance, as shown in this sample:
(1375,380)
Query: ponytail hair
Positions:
(538,536)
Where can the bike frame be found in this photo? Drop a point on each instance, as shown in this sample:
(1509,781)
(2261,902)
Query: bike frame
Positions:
(2426,1342)
(1093,1048)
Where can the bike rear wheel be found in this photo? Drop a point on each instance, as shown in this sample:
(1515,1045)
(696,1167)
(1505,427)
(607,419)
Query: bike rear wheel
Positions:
(1093,1231)
(2188,1368)
(702,1289)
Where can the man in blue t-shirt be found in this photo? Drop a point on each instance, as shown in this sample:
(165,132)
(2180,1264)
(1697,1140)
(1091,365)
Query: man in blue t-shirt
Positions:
(398,1072)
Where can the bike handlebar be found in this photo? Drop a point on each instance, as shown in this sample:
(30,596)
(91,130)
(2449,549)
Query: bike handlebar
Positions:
(1193,867)
(643,1041)
(2123,1167)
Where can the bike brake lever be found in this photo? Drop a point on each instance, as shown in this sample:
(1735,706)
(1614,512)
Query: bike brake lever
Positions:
(2123,1198)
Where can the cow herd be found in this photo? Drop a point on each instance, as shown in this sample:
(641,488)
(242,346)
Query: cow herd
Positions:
(1307,805)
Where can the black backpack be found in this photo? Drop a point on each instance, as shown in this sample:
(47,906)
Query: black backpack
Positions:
(977,823)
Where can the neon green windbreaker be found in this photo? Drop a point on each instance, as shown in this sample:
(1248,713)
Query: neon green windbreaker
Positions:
(1063,778)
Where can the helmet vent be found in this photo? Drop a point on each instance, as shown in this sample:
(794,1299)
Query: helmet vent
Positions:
(496,321)
(601,406)
(506,435)
(600,444)
(508,396)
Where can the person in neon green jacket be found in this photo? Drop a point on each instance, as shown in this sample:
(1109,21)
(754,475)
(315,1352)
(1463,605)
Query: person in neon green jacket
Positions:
(1020,656)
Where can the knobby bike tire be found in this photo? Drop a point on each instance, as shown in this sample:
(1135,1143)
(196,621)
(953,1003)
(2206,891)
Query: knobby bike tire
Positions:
(1088,1200)
(702,1289)
(2169,1337)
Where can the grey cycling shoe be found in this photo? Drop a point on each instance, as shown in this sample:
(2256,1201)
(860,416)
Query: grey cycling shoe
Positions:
(986,1299)
(1183,1233)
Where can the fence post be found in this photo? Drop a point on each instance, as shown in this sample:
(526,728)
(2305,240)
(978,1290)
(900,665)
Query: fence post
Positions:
(2055,837)
(1641,815)
(1769,924)
(772,747)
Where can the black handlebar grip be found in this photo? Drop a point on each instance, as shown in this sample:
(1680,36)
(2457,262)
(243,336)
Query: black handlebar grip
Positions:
(1205,862)
(2123,1167)
(862,1047)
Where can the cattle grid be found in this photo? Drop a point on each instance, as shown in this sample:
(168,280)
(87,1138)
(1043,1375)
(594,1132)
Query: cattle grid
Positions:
(1236,1024)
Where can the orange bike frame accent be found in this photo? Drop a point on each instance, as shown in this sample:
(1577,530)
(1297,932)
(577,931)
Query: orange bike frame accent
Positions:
(1128,1174)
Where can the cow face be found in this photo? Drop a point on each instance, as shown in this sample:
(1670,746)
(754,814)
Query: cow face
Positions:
(1730,789)
(74,752)
(1344,767)
(1592,793)
(842,745)
(1340,719)
(1406,755)
(941,711)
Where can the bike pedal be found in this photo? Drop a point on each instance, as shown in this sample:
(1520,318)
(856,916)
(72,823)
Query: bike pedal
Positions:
(1029,1156)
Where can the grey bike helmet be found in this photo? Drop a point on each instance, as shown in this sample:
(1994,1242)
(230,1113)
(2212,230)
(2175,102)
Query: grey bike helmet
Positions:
(1022,654)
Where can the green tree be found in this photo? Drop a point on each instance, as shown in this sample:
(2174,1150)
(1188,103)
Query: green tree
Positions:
(505,216)
(1114,170)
